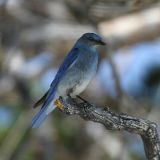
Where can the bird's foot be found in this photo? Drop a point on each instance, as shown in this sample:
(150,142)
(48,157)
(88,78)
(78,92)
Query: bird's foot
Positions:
(58,104)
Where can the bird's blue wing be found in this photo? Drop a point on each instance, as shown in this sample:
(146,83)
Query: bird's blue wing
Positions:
(70,58)
(68,61)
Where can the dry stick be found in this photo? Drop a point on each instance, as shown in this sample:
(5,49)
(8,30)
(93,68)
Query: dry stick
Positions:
(114,121)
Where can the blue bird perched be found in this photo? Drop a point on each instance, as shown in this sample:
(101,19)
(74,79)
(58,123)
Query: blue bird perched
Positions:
(73,76)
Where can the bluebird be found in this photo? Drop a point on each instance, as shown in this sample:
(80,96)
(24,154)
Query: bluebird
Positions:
(73,76)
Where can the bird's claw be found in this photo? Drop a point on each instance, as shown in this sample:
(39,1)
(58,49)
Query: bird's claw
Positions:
(58,104)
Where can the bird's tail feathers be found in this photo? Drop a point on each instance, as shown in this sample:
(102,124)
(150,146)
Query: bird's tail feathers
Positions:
(46,108)
(41,100)
(41,116)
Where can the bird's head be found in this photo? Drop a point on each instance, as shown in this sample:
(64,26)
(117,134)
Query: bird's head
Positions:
(91,39)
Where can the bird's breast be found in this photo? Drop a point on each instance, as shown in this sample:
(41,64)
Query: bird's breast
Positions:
(79,74)
(87,60)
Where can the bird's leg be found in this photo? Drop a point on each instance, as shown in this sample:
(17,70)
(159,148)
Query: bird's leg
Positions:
(71,98)
(58,104)
(82,99)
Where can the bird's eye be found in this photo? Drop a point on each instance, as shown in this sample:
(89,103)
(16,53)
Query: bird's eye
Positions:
(91,38)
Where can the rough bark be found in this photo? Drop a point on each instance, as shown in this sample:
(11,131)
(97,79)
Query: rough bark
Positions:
(118,121)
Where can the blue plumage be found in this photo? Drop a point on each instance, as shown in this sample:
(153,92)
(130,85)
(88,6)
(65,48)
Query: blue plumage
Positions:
(76,71)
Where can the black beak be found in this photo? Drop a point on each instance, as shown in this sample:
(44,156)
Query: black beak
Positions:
(101,42)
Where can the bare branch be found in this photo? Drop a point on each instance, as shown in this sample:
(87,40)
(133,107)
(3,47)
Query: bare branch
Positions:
(114,121)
